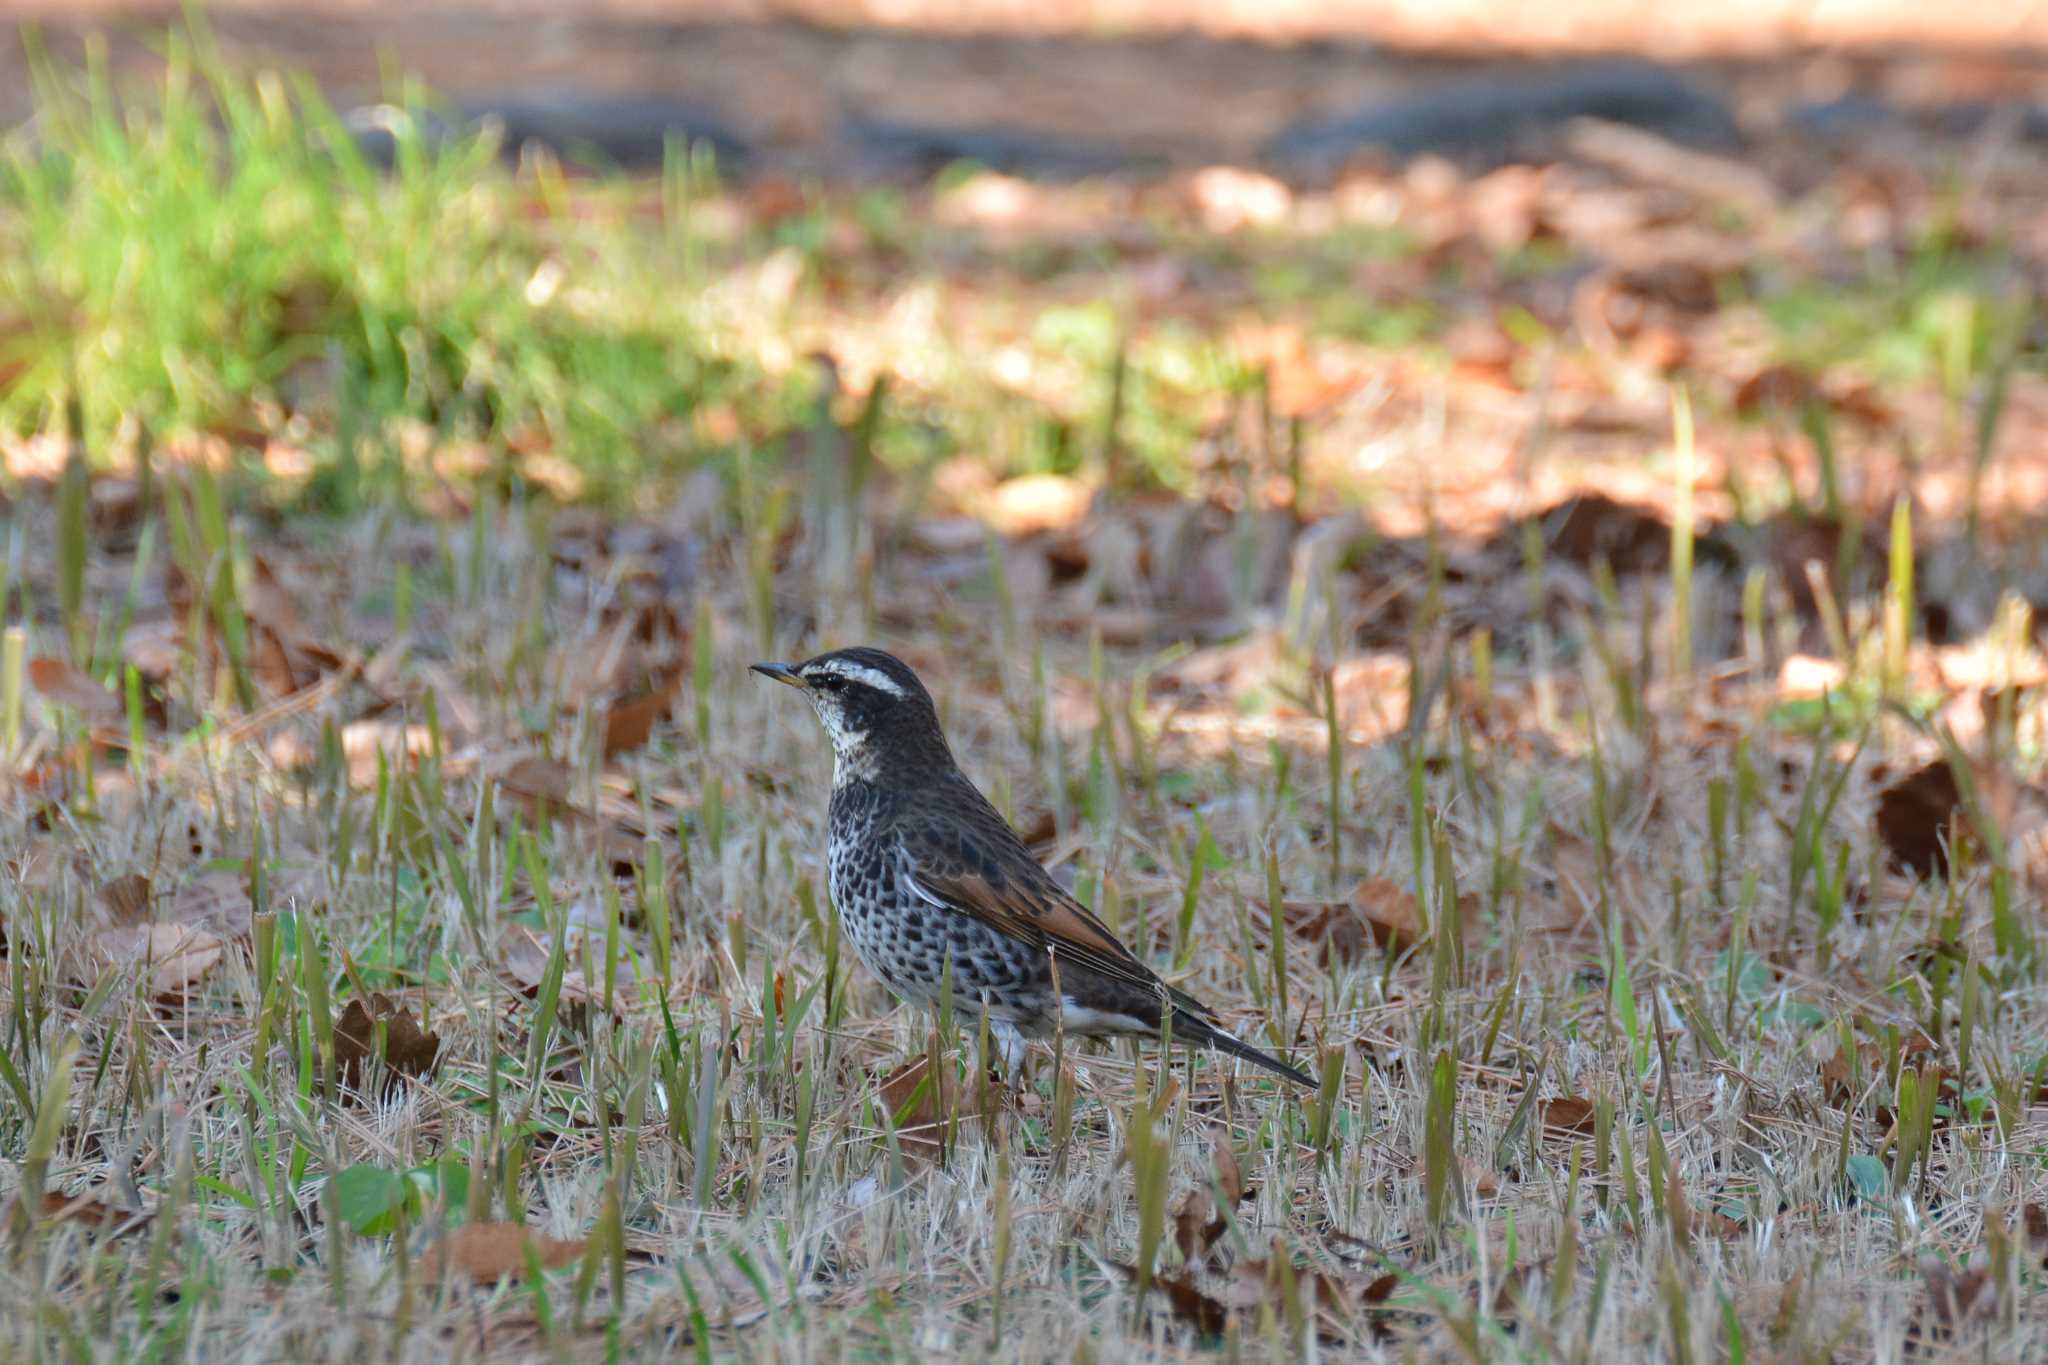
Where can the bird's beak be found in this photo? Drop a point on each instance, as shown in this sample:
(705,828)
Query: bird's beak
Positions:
(782,673)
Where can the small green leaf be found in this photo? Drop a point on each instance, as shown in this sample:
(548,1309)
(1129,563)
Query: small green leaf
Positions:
(366,1197)
(1751,981)
(1869,1178)
(445,1181)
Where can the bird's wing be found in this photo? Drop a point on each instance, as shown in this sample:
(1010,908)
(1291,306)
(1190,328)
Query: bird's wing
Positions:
(1027,905)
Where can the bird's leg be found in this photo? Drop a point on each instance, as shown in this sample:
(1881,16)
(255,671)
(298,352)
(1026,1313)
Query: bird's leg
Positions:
(1010,1045)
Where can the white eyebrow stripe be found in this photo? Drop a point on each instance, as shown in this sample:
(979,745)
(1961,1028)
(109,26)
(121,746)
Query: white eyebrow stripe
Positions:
(871,677)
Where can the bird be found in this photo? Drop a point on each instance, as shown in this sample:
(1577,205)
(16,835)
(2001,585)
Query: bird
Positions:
(924,870)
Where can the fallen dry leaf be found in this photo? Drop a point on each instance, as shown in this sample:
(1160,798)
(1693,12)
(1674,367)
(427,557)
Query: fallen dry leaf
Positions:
(629,722)
(2034,1223)
(1805,676)
(1568,1115)
(155,648)
(1577,866)
(1479,1179)
(524,956)
(1592,526)
(283,657)
(1197,1225)
(126,898)
(409,1050)
(91,1209)
(1036,503)
(920,1111)
(1919,817)
(1838,1078)
(1191,1224)
(1380,909)
(1955,1297)
(1779,389)
(1188,1302)
(1229,1175)
(216,900)
(488,1252)
(177,956)
(74,687)
(1390,912)
(540,787)
(1373,692)
(1253,1283)
(369,748)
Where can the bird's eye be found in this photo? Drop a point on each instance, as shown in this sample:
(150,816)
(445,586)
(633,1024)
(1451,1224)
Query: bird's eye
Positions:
(832,682)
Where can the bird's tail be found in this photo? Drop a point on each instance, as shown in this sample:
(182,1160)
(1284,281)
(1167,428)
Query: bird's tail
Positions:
(1194,1028)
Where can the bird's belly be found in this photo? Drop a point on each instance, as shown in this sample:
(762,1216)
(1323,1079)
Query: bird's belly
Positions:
(908,943)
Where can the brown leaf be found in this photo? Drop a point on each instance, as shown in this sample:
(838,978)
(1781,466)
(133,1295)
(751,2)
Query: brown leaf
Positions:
(370,747)
(177,956)
(1568,1115)
(216,900)
(1593,526)
(1390,912)
(1198,1224)
(1036,503)
(1956,1297)
(920,1112)
(1191,1224)
(525,957)
(1188,1303)
(408,1049)
(1918,818)
(1805,676)
(1229,198)
(629,722)
(1373,692)
(1779,388)
(1678,1215)
(283,657)
(540,787)
(74,687)
(1382,909)
(1836,1074)
(542,781)
(1339,928)
(1715,1223)
(90,1209)
(2034,1222)
(1790,1300)
(1256,1282)
(1039,830)
(489,1252)
(155,648)
(1229,1175)
(126,898)
(1838,1077)
(1578,870)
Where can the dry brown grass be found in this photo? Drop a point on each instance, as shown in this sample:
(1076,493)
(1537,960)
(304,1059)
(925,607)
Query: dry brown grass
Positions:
(1709,1196)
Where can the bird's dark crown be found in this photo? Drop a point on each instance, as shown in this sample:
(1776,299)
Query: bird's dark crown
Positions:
(881,719)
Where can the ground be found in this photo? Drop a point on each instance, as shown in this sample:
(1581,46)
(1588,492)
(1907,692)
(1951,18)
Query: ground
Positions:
(1545,640)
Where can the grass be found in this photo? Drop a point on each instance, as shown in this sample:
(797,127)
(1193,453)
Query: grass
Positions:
(1630,1042)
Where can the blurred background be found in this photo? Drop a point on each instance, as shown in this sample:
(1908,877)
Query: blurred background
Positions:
(802,84)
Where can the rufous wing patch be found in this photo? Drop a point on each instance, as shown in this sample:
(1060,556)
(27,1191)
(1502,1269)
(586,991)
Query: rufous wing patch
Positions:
(1042,917)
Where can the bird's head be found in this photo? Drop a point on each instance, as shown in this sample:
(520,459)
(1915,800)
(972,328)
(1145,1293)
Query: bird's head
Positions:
(875,710)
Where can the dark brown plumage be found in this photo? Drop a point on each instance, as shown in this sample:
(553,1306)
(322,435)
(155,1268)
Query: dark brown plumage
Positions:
(924,869)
